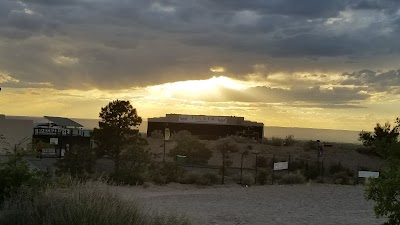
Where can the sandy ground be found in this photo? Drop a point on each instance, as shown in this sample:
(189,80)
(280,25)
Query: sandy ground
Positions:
(260,205)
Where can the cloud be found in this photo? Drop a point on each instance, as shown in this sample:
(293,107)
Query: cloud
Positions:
(122,44)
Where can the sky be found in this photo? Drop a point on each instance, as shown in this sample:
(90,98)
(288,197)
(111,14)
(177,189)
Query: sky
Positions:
(319,64)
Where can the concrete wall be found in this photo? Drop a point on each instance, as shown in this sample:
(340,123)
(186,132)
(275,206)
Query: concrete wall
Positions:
(15,130)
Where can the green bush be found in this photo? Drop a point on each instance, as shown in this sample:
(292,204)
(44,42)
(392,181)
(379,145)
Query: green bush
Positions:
(341,178)
(90,204)
(313,170)
(200,179)
(336,168)
(262,162)
(248,179)
(196,151)
(292,178)
(165,172)
(262,177)
(275,141)
(310,145)
(289,140)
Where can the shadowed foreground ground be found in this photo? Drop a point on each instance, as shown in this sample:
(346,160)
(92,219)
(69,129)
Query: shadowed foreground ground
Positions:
(261,205)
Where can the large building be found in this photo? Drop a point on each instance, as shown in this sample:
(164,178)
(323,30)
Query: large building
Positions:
(207,127)
(15,132)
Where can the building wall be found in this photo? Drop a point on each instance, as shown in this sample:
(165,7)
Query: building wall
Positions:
(204,131)
(15,130)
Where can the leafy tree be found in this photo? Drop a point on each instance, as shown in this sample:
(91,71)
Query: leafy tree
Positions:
(117,131)
(195,151)
(385,189)
(134,164)
(15,172)
(78,161)
(383,134)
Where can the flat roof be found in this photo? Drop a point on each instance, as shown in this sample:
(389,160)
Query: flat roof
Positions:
(204,119)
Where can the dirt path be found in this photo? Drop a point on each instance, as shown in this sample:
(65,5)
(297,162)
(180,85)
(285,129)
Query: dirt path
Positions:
(283,205)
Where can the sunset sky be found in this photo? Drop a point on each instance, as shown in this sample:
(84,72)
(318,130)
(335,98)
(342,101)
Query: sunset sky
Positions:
(311,63)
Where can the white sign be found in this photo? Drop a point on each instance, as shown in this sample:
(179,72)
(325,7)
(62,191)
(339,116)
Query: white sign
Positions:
(54,141)
(368,174)
(203,119)
(52,131)
(281,166)
(167,134)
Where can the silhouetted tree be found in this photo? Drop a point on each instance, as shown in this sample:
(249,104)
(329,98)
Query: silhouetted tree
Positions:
(385,189)
(117,131)
(384,135)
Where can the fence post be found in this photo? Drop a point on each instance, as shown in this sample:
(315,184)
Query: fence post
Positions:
(358,169)
(322,170)
(273,161)
(255,177)
(288,167)
(223,167)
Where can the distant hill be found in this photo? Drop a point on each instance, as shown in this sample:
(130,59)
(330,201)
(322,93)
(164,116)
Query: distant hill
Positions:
(329,135)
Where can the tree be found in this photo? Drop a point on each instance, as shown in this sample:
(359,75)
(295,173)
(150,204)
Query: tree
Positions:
(385,189)
(384,135)
(195,151)
(117,131)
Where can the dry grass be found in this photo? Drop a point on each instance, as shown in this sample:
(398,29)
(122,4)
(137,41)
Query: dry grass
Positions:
(83,204)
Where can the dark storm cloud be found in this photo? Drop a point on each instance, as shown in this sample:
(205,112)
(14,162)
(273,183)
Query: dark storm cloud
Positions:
(108,44)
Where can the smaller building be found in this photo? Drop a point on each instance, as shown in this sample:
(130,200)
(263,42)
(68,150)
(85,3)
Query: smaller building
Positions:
(207,127)
(15,132)
(59,134)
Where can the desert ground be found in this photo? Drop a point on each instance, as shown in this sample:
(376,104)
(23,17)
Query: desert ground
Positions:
(307,204)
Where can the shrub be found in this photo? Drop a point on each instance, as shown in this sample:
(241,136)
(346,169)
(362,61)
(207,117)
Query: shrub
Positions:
(313,170)
(195,151)
(200,179)
(262,177)
(296,165)
(275,141)
(157,134)
(83,204)
(367,151)
(341,178)
(262,162)
(310,145)
(248,179)
(166,172)
(292,178)
(289,140)
(336,168)
(189,178)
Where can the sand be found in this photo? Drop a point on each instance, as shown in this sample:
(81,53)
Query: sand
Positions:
(259,205)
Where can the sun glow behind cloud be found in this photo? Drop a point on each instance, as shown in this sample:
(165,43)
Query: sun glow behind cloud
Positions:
(193,88)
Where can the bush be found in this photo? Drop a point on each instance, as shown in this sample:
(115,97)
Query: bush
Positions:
(262,177)
(275,141)
(292,178)
(337,168)
(367,151)
(83,204)
(313,170)
(341,178)
(310,145)
(289,140)
(196,152)
(166,172)
(248,179)
(200,179)
(262,162)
